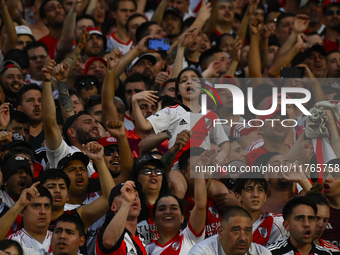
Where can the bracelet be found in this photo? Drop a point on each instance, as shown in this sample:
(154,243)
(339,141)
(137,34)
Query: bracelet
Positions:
(81,46)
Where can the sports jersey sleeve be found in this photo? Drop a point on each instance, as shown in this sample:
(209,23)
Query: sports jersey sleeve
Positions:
(56,155)
(160,121)
(100,246)
(191,237)
(278,231)
(198,250)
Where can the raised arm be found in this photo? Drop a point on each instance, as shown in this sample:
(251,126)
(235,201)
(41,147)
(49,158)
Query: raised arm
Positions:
(236,57)
(159,12)
(94,211)
(53,136)
(242,31)
(254,62)
(108,89)
(210,26)
(116,128)
(116,227)
(66,39)
(151,142)
(198,214)
(335,137)
(10,41)
(27,196)
(140,121)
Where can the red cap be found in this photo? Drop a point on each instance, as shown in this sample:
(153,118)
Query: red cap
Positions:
(269,116)
(105,141)
(327,2)
(87,63)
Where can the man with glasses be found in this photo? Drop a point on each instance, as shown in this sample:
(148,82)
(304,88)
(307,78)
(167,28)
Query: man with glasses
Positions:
(300,219)
(38,55)
(331,19)
(111,154)
(312,8)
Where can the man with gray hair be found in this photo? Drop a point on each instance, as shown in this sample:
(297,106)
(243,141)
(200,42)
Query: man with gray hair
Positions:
(234,236)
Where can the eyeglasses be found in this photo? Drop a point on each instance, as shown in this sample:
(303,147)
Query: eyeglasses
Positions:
(332,12)
(35,58)
(111,151)
(148,171)
(87,82)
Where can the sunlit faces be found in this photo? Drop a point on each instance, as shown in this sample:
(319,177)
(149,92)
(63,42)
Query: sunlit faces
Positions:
(322,220)
(79,180)
(333,65)
(135,206)
(252,197)
(331,183)
(236,234)
(225,12)
(189,85)
(66,239)
(37,215)
(59,192)
(301,224)
(31,105)
(124,11)
(86,128)
(152,182)
(168,215)
(317,64)
(18,181)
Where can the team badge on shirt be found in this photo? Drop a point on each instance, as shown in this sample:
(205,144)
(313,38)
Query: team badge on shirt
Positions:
(207,122)
(213,210)
(175,245)
(263,231)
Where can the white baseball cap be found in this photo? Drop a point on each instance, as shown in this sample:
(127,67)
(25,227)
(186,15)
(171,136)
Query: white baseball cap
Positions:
(24,30)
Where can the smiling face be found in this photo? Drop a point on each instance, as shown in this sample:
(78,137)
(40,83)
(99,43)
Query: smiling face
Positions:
(112,159)
(168,216)
(301,224)
(66,239)
(236,235)
(85,129)
(12,80)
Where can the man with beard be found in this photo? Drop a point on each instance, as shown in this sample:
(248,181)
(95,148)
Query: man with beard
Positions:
(78,129)
(192,53)
(172,23)
(29,102)
(111,154)
(52,14)
(38,55)
(312,8)
(12,80)
(96,67)
(331,19)
(96,45)
(274,135)
(300,218)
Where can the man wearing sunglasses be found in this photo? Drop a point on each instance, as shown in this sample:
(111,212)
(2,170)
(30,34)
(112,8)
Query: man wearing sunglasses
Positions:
(111,154)
(331,19)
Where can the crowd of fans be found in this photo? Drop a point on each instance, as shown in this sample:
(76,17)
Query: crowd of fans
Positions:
(101,136)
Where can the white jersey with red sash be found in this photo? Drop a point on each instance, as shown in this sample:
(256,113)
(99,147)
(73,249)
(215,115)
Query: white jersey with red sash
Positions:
(213,218)
(113,42)
(175,119)
(147,228)
(329,246)
(181,244)
(269,229)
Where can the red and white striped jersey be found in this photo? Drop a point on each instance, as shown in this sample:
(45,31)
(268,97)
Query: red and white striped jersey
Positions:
(27,241)
(329,246)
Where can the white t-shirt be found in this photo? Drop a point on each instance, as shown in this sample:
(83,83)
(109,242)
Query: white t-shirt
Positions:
(175,119)
(55,156)
(212,245)
(113,42)
(27,241)
(179,245)
(128,123)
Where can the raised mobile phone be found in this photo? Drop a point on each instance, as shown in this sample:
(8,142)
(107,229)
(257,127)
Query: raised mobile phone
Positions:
(292,72)
(159,44)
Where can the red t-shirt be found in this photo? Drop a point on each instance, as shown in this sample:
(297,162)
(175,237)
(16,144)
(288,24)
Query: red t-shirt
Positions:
(213,217)
(329,45)
(51,44)
(331,233)
(254,154)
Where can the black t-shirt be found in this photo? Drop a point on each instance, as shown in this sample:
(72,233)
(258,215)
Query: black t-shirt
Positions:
(36,142)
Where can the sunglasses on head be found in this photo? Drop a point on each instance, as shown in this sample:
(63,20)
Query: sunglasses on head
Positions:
(84,83)
(148,171)
(111,151)
(331,12)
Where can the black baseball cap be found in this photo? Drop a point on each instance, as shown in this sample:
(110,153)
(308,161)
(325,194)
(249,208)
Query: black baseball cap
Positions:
(13,164)
(18,140)
(315,47)
(75,156)
(69,122)
(116,190)
(142,161)
(175,11)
